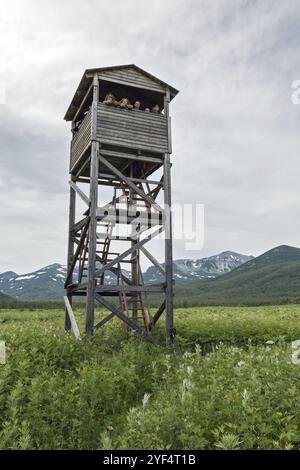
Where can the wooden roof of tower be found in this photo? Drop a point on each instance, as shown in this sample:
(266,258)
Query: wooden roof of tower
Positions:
(130,75)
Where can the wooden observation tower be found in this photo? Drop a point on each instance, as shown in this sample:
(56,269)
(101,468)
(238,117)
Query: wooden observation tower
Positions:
(120,155)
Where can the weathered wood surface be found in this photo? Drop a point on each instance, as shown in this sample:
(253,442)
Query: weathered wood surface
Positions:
(83,102)
(130,156)
(80,193)
(129,289)
(72,317)
(72,208)
(153,260)
(104,320)
(131,185)
(158,313)
(132,77)
(76,254)
(129,75)
(128,252)
(168,253)
(132,129)
(131,323)
(79,225)
(168,239)
(109,140)
(92,255)
(81,140)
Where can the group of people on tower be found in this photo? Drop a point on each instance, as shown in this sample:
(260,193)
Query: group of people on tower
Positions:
(110,100)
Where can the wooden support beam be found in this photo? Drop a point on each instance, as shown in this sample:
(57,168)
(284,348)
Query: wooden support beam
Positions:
(131,288)
(155,192)
(104,320)
(130,156)
(153,260)
(80,193)
(79,225)
(131,323)
(134,180)
(168,239)
(125,278)
(70,249)
(126,253)
(83,102)
(82,168)
(129,251)
(158,314)
(94,170)
(75,257)
(112,269)
(72,317)
(131,185)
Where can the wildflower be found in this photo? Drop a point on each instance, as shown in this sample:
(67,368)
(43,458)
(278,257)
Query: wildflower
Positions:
(186,386)
(245,396)
(146,399)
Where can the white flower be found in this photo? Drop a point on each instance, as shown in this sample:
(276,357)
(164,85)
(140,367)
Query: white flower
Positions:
(269,342)
(245,396)
(146,399)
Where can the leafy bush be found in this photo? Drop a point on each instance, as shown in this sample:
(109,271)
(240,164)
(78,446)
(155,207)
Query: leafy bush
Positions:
(222,387)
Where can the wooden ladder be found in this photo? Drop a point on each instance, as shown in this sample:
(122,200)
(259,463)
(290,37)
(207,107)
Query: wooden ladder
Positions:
(136,304)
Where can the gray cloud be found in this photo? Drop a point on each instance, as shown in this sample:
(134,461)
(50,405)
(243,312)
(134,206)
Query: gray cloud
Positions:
(235,130)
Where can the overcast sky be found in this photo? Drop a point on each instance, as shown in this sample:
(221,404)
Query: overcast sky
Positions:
(235,130)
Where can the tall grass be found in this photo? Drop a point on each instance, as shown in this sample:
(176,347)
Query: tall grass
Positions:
(229,383)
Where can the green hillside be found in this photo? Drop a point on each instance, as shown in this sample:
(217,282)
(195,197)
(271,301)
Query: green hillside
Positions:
(273,277)
(4,298)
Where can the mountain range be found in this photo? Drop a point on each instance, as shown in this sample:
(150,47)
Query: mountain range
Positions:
(272,278)
(225,279)
(47,283)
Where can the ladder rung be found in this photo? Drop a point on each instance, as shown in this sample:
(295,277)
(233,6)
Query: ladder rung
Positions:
(123,261)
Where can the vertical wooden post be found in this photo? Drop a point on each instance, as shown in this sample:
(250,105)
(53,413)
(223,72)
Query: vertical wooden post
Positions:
(70,248)
(168,233)
(134,256)
(91,281)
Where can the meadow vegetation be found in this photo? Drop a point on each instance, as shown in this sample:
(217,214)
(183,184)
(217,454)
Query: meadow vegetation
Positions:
(229,383)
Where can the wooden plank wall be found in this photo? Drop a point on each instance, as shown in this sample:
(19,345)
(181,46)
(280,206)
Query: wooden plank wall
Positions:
(132,128)
(81,140)
(130,76)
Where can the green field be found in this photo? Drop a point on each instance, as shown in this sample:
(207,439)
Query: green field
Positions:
(223,386)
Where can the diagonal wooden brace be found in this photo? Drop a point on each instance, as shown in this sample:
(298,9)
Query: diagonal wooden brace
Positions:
(131,185)
(77,252)
(128,252)
(131,323)
(80,193)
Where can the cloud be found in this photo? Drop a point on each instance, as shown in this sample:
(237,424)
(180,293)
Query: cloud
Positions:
(235,130)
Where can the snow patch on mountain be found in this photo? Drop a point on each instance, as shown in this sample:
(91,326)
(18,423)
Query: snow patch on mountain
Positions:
(48,283)
(187,270)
